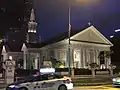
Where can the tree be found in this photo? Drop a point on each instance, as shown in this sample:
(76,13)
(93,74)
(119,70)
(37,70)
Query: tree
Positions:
(107,55)
(56,63)
(111,68)
(93,66)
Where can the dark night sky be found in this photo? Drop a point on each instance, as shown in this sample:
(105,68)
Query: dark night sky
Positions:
(52,16)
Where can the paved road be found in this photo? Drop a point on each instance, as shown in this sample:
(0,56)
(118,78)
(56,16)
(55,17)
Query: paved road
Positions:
(101,87)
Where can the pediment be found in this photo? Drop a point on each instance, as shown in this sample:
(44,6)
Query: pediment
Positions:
(91,34)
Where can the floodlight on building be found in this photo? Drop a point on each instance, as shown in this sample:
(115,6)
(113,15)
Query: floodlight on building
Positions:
(34,31)
(117,30)
(10,57)
(111,36)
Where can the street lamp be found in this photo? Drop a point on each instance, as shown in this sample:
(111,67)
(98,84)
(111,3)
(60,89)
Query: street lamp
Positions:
(69,31)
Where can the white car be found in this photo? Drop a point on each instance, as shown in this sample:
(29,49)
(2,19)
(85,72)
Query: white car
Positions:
(48,81)
(116,81)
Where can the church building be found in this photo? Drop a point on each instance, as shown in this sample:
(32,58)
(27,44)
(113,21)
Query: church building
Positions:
(85,46)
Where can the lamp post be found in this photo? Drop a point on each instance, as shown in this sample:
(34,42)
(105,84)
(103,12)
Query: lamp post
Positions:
(69,31)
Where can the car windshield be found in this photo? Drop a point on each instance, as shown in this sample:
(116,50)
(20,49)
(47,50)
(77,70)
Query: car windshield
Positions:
(26,79)
(53,76)
(34,78)
(29,78)
(58,76)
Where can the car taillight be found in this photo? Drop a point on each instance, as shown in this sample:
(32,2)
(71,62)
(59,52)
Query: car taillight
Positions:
(67,81)
(37,73)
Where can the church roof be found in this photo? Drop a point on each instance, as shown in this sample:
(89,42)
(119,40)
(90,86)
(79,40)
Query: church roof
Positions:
(33,45)
(10,47)
(63,36)
(81,35)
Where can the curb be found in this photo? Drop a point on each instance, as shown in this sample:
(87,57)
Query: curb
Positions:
(3,85)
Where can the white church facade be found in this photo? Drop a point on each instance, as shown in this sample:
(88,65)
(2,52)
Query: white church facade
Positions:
(85,49)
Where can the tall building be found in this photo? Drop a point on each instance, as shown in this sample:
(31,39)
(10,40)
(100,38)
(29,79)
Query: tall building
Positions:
(18,14)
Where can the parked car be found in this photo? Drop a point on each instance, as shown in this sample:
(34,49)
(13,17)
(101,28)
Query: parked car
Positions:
(116,81)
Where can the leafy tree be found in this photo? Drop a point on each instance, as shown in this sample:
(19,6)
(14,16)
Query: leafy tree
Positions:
(93,66)
(111,68)
(56,63)
(107,55)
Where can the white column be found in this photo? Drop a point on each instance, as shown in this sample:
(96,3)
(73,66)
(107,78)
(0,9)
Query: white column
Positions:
(72,58)
(36,61)
(5,57)
(108,62)
(98,59)
(25,59)
(82,58)
(66,62)
(94,55)
(84,55)
(87,56)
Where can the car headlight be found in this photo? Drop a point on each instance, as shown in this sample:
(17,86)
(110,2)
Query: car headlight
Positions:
(13,86)
(113,79)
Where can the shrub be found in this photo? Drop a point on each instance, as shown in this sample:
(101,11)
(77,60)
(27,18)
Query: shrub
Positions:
(82,71)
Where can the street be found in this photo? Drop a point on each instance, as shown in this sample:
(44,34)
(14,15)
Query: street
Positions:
(101,87)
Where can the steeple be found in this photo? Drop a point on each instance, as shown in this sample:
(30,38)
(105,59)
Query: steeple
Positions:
(32,24)
(31,34)
(32,16)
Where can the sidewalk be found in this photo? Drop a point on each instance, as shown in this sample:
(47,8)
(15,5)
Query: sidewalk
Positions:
(88,80)
(2,83)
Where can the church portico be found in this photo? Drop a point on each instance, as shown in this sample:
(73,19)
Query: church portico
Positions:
(85,56)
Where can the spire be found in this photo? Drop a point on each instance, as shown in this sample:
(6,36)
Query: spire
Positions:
(31,34)
(32,16)
(3,50)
